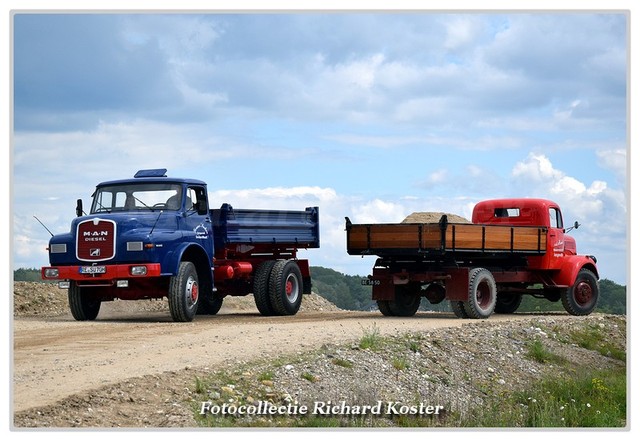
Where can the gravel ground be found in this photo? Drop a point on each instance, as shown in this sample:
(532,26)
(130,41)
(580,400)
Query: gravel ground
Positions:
(450,369)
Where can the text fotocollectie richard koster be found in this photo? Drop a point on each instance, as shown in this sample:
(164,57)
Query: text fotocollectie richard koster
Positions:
(319,408)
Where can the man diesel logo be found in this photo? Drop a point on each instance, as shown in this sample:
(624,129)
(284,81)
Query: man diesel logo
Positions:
(95,236)
(94,252)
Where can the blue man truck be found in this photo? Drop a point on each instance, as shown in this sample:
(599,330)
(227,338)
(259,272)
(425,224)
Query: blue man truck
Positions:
(154,236)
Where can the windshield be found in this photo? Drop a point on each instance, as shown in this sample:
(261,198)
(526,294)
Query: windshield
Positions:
(137,197)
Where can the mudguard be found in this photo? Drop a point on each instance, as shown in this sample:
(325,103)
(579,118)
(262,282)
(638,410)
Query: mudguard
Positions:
(570,268)
(186,251)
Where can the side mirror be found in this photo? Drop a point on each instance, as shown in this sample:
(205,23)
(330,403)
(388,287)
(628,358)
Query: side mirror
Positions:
(79,211)
(573,227)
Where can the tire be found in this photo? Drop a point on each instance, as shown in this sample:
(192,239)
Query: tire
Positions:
(582,297)
(458,309)
(383,306)
(553,294)
(261,287)
(406,302)
(285,287)
(482,294)
(508,303)
(82,307)
(184,293)
(209,304)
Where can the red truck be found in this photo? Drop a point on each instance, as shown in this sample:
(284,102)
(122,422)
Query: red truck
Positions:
(511,248)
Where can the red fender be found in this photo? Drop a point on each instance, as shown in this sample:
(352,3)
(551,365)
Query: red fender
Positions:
(571,267)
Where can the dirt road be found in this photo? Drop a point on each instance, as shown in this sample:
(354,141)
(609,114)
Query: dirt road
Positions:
(56,357)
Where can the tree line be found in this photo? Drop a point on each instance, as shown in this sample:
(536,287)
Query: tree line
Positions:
(347,292)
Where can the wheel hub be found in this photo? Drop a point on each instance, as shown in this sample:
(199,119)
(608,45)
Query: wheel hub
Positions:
(192,291)
(583,293)
(482,296)
(291,288)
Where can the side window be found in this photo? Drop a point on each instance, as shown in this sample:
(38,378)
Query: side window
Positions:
(555,218)
(196,199)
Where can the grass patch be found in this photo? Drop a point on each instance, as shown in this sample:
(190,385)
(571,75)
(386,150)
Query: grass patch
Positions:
(342,362)
(590,399)
(593,339)
(537,351)
(309,377)
(400,363)
(371,339)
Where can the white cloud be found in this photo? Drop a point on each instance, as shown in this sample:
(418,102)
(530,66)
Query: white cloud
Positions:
(614,160)
(602,211)
(461,31)
(379,211)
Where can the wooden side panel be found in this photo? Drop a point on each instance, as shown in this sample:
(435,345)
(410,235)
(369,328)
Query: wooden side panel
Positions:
(467,237)
(395,236)
(431,237)
(357,237)
(529,239)
(498,238)
(458,237)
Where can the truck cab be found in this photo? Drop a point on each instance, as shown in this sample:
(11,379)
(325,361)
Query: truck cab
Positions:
(561,254)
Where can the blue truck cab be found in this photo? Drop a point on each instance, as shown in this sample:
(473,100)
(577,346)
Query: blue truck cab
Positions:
(154,236)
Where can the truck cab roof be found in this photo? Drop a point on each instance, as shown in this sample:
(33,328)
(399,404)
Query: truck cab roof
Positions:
(514,211)
(152,175)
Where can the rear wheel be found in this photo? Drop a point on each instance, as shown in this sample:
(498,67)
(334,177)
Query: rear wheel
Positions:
(458,309)
(383,306)
(285,287)
(210,304)
(508,303)
(81,305)
(481,294)
(582,297)
(406,303)
(261,287)
(184,293)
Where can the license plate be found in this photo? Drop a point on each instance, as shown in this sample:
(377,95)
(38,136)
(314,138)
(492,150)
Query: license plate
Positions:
(370,282)
(98,269)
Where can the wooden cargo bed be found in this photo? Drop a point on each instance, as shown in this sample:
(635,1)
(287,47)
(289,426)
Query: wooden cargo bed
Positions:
(443,237)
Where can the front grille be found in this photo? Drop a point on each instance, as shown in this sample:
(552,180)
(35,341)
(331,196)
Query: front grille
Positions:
(96,240)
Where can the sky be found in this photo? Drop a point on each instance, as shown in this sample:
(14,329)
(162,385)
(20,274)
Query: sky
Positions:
(370,115)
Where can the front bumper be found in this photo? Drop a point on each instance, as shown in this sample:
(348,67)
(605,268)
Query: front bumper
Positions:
(100,274)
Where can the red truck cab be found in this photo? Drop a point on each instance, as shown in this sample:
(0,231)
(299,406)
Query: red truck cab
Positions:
(561,257)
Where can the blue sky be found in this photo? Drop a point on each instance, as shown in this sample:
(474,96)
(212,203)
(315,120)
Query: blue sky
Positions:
(367,115)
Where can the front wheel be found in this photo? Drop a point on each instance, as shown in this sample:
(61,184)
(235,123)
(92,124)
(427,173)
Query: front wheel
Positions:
(184,293)
(582,297)
(81,305)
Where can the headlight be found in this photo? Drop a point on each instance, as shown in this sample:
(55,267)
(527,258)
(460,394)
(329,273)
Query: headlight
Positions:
(140,270)
(51,273)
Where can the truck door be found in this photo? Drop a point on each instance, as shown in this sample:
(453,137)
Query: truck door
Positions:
(197,219)
(555,242)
